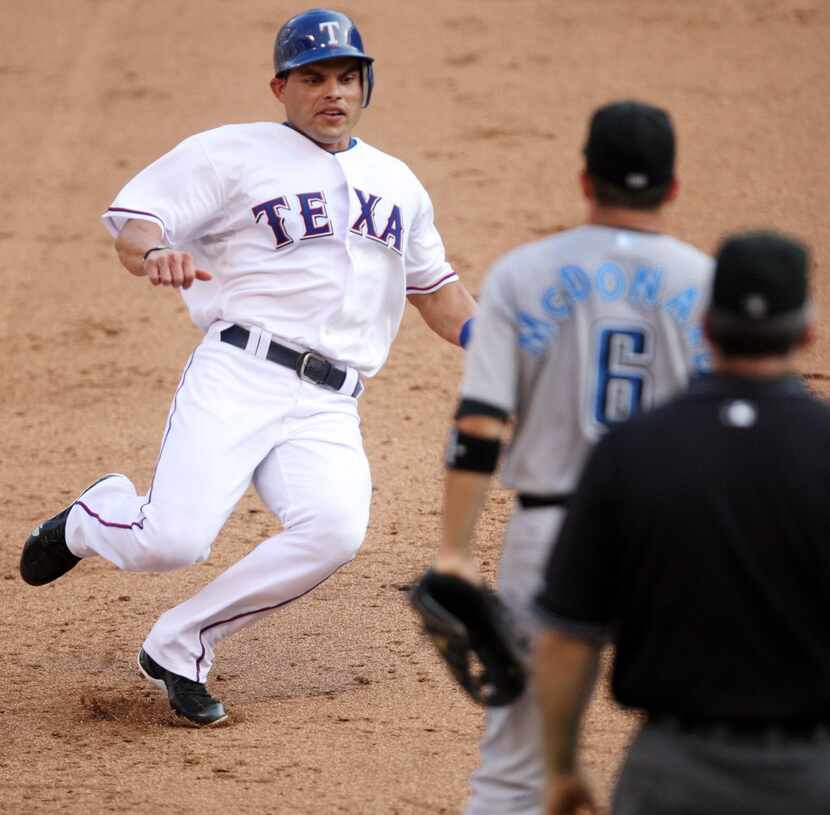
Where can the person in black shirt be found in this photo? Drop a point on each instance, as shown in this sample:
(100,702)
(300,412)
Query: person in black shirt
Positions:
(698,543)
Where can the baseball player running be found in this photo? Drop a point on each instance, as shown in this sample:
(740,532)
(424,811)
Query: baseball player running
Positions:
(294,246)
(576,333)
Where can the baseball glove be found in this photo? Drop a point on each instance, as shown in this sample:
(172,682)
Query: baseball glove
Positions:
(470,628)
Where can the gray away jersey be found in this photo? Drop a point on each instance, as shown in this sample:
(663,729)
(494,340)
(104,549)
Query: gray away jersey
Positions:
(577,332)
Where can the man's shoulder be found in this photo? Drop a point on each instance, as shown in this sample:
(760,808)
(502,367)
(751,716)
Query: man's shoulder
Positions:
(369,152)
(232,134)
(686,407)
(690,256)
(814,408)
(538,253)
(374,160)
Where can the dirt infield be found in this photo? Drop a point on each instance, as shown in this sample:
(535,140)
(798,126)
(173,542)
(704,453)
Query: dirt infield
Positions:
(337,704)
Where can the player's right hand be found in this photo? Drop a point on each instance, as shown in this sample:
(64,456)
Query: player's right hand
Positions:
(169,267)
(569,795)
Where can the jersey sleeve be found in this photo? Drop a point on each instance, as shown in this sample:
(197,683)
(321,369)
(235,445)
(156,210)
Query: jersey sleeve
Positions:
(491,370)
(427,269)
(578,595)
(180,192)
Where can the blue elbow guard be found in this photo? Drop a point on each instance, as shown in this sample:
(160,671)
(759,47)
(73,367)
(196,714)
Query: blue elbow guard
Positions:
(466,332)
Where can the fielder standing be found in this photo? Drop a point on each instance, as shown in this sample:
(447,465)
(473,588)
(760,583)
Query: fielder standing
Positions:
(576,333)
(295,246)
(697,542)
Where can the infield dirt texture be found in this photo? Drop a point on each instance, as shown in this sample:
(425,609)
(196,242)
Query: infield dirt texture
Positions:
(337,704)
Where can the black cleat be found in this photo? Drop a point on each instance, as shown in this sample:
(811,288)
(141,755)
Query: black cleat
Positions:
(188,699)
(45,555)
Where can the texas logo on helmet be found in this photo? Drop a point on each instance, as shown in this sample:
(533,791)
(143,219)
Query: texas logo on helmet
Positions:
(321,34)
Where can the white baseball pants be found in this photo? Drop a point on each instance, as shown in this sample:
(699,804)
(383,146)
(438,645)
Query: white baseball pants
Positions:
(510,778)
(235,418)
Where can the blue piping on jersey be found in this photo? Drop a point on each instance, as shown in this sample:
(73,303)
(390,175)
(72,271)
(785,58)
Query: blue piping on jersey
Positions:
(352,140)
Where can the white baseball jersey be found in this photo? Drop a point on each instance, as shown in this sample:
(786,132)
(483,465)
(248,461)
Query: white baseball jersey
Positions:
(578,331)
(315,250)
(319,249)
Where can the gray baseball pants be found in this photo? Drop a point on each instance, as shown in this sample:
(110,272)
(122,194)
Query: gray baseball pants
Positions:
(673,771)
(510,779)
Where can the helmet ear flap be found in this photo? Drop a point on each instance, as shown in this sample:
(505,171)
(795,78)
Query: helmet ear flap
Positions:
(368,79)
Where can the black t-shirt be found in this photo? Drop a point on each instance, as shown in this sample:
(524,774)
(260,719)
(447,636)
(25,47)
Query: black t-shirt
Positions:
(699,542)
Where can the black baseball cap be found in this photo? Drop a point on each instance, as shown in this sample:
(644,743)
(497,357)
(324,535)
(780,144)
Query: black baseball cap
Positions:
(631,144)
(761,288)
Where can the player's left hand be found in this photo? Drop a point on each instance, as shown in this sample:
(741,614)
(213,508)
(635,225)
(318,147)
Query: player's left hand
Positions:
(459,565)
(569,795)
(469,626)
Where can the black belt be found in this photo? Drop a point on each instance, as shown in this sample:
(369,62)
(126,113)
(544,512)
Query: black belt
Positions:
(530,501)
(307,364)
(746,728)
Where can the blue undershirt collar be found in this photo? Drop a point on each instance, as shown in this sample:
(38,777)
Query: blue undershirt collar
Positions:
(352,140)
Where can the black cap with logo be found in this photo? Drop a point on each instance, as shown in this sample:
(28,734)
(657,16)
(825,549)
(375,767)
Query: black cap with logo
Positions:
(631,144)
(761,289)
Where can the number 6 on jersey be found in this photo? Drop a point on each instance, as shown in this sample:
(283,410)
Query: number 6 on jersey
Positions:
(623,381)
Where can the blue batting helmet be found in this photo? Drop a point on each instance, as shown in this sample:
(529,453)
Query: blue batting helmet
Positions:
(321,34)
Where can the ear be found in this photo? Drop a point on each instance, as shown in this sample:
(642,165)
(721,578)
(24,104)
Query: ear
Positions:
(587,185)
(707,329)
(809,335)
(278,86)
(672,192)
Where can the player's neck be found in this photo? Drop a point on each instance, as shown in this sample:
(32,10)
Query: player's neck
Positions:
(346,142)
(766,367)
(621,218)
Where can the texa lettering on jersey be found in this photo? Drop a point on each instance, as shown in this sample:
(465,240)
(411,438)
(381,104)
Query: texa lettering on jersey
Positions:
(312,208)
(325,246)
